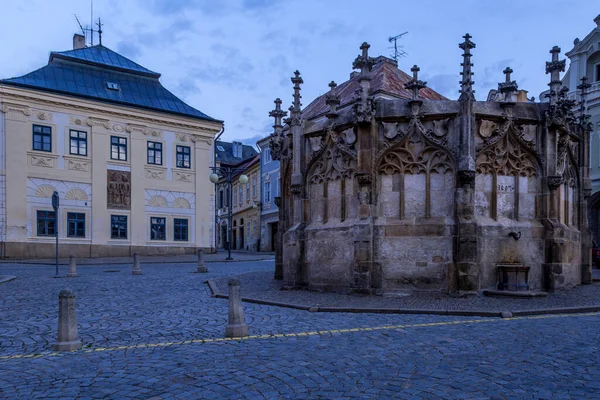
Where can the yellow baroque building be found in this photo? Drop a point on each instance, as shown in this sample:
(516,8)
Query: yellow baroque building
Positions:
(128,159)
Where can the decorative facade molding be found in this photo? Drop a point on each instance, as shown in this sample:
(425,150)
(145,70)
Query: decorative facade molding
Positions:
(152,173)
(77,163)
(76,120)
(42,160)
(17,112)
(76,194)
(98,122)
(44,115)
(45,191)
(157,201)
(180,202)
(184,176)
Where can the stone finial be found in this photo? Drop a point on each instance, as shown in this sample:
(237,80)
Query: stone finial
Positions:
(277,114)
(201,268)
(137,269)
(68,338)
(597,21)
(466,84)
(236,326)
(72,267)
(508,87)
(584,119)
(415,84)
(554,68)
(297,81)
(364,62)
(332,100)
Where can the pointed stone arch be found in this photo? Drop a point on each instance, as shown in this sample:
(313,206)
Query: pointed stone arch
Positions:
(411,172)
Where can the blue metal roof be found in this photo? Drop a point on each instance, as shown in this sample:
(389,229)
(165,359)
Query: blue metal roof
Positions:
(103,57)
(86,72)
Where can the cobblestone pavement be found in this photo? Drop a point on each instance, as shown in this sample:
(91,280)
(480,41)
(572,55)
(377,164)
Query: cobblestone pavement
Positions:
(160,336)
(260,285)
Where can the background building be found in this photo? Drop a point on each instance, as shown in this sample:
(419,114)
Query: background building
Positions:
(128,159)
(244,196)
(270,183)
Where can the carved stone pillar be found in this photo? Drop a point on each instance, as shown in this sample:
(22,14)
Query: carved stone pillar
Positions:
(278,249)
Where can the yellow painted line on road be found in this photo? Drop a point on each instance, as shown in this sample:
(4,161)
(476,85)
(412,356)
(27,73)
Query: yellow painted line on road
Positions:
(298,334)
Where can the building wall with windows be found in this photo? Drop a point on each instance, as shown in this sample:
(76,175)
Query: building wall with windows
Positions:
(246,211)
(129,178)
(271,189)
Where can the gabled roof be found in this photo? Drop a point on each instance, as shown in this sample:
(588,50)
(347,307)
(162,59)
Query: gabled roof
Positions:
(225,156)
(387,80)
(87,72)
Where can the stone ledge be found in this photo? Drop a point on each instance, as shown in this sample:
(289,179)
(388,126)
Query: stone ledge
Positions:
(7,278)
(513,294)
(446,312)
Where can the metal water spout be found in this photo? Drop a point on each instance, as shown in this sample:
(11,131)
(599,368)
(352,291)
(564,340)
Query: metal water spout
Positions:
(515,235)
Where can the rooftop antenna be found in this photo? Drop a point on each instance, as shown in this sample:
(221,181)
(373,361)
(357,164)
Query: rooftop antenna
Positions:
(99,31)
(79,23)
(397,52)
(92,22)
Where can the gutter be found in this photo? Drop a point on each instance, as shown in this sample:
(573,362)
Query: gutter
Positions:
(217,227)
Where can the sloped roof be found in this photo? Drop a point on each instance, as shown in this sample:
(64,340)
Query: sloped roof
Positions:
(387,80)
(86,72)
(103,57)
(225,156)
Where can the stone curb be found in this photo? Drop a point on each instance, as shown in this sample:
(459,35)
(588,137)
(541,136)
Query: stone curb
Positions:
(457,313)
(81,262)
(7,278)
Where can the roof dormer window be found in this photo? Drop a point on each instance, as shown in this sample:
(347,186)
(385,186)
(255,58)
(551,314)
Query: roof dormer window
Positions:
(112,86)
(220,148)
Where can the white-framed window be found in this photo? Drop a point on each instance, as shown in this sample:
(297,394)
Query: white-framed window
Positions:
(597,72)
(277,183)
(234,196)
(254,179)
(267,192)
(241,190)
(267,155)
(248,191)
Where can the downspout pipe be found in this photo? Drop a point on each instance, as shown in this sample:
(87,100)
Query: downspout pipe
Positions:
(217,230)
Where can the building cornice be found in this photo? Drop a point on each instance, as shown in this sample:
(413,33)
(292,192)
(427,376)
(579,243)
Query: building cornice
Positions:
(12,95)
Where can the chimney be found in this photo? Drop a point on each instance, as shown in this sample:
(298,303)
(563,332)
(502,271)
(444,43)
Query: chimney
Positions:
(78,41)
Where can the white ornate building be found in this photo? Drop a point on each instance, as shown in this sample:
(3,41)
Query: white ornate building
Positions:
(128,159)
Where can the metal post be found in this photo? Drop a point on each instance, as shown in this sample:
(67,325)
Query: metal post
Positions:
(230,213)
(55,206)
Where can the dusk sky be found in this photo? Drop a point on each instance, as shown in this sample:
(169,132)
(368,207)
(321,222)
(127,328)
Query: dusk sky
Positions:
(231,59)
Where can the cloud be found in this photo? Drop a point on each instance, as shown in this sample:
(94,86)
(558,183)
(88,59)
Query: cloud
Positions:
(445,84)
(170,7)
(128,49)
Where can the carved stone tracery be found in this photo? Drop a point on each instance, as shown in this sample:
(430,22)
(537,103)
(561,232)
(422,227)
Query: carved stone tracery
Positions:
(506,156)
(414,156)
(333,164)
